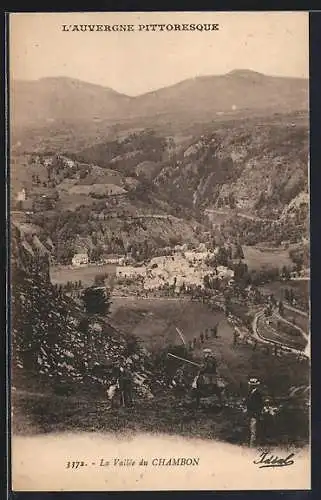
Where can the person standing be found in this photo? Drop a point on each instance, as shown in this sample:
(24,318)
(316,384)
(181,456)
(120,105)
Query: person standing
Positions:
(126,384)
(254,407)
(208,376)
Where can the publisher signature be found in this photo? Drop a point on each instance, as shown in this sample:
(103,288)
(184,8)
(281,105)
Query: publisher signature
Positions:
(267,459)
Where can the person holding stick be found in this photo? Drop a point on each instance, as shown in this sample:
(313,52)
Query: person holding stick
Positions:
(208,376)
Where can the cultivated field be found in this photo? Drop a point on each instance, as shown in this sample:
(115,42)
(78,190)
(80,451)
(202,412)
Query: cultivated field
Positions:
(60,275)
(277,287)
(259,259)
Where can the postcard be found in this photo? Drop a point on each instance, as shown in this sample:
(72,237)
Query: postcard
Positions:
(160,251)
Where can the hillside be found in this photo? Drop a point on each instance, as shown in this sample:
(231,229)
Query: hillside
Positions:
(237,142)
(242,167)
(243,163)
(66,111)
(238,91)
(49,330)
(63,99)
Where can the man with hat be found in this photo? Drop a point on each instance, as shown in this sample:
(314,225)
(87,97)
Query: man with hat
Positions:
(254,405)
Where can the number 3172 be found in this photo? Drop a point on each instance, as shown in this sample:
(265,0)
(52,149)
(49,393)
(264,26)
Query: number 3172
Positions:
(75,465)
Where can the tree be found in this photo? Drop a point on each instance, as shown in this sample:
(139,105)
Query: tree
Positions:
(239,254)
(285,273)
(99,279)
(231,201)
(222,257)
(96,253)
(240,270)
(206,281)
(96,300)
(281,308)
(291,296)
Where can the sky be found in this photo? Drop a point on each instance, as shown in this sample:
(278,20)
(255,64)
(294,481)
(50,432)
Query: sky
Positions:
(273,43)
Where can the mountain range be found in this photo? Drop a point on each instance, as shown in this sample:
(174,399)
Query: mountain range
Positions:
(240,92)
(211,142)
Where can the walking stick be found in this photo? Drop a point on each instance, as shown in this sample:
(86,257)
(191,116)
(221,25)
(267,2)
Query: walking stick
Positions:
(183,359)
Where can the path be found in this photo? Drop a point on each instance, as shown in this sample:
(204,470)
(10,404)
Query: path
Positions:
(303,333)
(259,335)
(294,309)
(238,214)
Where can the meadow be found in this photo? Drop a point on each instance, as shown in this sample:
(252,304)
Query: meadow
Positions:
(257,259)
(60,275)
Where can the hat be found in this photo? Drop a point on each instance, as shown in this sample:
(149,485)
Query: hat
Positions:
(254,382)
(207,351)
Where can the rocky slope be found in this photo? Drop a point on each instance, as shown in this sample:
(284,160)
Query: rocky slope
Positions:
(246,163)
(260,165)
(53,339)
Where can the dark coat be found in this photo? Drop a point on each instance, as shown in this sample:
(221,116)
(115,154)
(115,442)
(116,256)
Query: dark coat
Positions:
(255,402)
(209,366)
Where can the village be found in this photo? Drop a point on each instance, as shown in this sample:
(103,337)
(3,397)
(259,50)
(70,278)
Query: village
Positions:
(181,267)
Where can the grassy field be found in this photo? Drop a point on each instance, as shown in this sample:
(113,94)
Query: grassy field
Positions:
(62,274)
(297,319)
(154,322)
(277,287)
(36,414)
(266,259)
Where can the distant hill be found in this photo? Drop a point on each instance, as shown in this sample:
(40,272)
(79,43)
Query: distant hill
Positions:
(237,91)
(62,99)
(55,101)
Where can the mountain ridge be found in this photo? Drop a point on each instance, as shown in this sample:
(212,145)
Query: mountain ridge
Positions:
(65,99)
(237,72)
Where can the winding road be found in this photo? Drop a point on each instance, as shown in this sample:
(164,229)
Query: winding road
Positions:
(263,333)
(229,213)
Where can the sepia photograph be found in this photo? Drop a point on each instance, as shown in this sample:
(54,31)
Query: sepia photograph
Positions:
(159,251)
